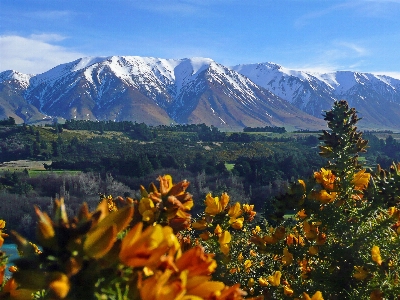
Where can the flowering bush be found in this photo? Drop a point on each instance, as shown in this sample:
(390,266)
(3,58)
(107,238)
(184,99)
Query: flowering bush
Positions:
(119,251)
(340,242)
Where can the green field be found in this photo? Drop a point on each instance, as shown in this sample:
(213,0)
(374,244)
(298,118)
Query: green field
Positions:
(229,166)
(34,168)
(19,165)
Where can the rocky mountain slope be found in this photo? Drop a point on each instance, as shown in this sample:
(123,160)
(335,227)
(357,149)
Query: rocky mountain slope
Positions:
(196,90)
(376,97)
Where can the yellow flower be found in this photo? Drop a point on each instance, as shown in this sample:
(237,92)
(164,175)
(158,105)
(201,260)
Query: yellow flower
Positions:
(205,235)
(256,230)
(394,212)
(247,264)
(202,290)
(214,205)
(361,180)
(236,223)
(140,249)
(161,286)
(234,212)
(310,230)
(111,204)
(233,292)
(240,256)
(224,199)
(325,178)
(174,198)
(316,296)
(291,239)
(146,209)
(287,291)
(321,238)
(45,227)
(262,281)
(218,230)
(59,285)
(360,273)
(224,241)
(287,257)
(302,183)
(304,268)
(275,279)
(248,209)
(250,282)
(376,255)
(197,262)
(200,225)
(165,184)
(224,248)
(323,196)
(302,214)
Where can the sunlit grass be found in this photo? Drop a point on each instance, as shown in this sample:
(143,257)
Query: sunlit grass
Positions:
(229,166)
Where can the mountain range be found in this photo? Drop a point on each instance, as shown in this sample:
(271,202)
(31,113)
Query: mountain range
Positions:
(196,90)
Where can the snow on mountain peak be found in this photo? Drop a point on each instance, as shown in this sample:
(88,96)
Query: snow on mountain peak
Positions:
(264,74)
(87,61)
(15,75)
(199,64)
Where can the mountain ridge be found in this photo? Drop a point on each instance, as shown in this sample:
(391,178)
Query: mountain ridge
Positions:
(195,90)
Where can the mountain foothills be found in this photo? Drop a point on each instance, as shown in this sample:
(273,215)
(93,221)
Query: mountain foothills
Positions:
(194,91)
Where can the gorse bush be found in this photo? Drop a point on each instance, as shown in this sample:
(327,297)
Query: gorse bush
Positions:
(334,235)
(112,254)
(343,238)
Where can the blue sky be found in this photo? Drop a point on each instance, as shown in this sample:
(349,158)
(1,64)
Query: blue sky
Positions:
(316,35)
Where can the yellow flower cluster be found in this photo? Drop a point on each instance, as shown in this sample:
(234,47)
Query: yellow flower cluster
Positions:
(169,204)
(153,262)
(2,234)
(325,194)
(173,275)
(219,216)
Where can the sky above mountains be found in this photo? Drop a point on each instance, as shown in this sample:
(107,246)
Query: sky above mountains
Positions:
(312,35)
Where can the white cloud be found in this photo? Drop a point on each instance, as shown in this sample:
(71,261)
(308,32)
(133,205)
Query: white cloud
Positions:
(390,74)
(356,49)
(47,37)
(321,69)
(337,55)
(34,54)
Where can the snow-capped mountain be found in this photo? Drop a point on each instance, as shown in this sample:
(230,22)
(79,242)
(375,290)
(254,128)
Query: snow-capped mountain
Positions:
(196,90)
(13,86)
(157,91)
(376,97)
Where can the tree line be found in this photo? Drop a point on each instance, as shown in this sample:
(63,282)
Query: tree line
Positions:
(8,122)
(275,129)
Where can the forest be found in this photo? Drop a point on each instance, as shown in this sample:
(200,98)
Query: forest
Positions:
(117,157)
